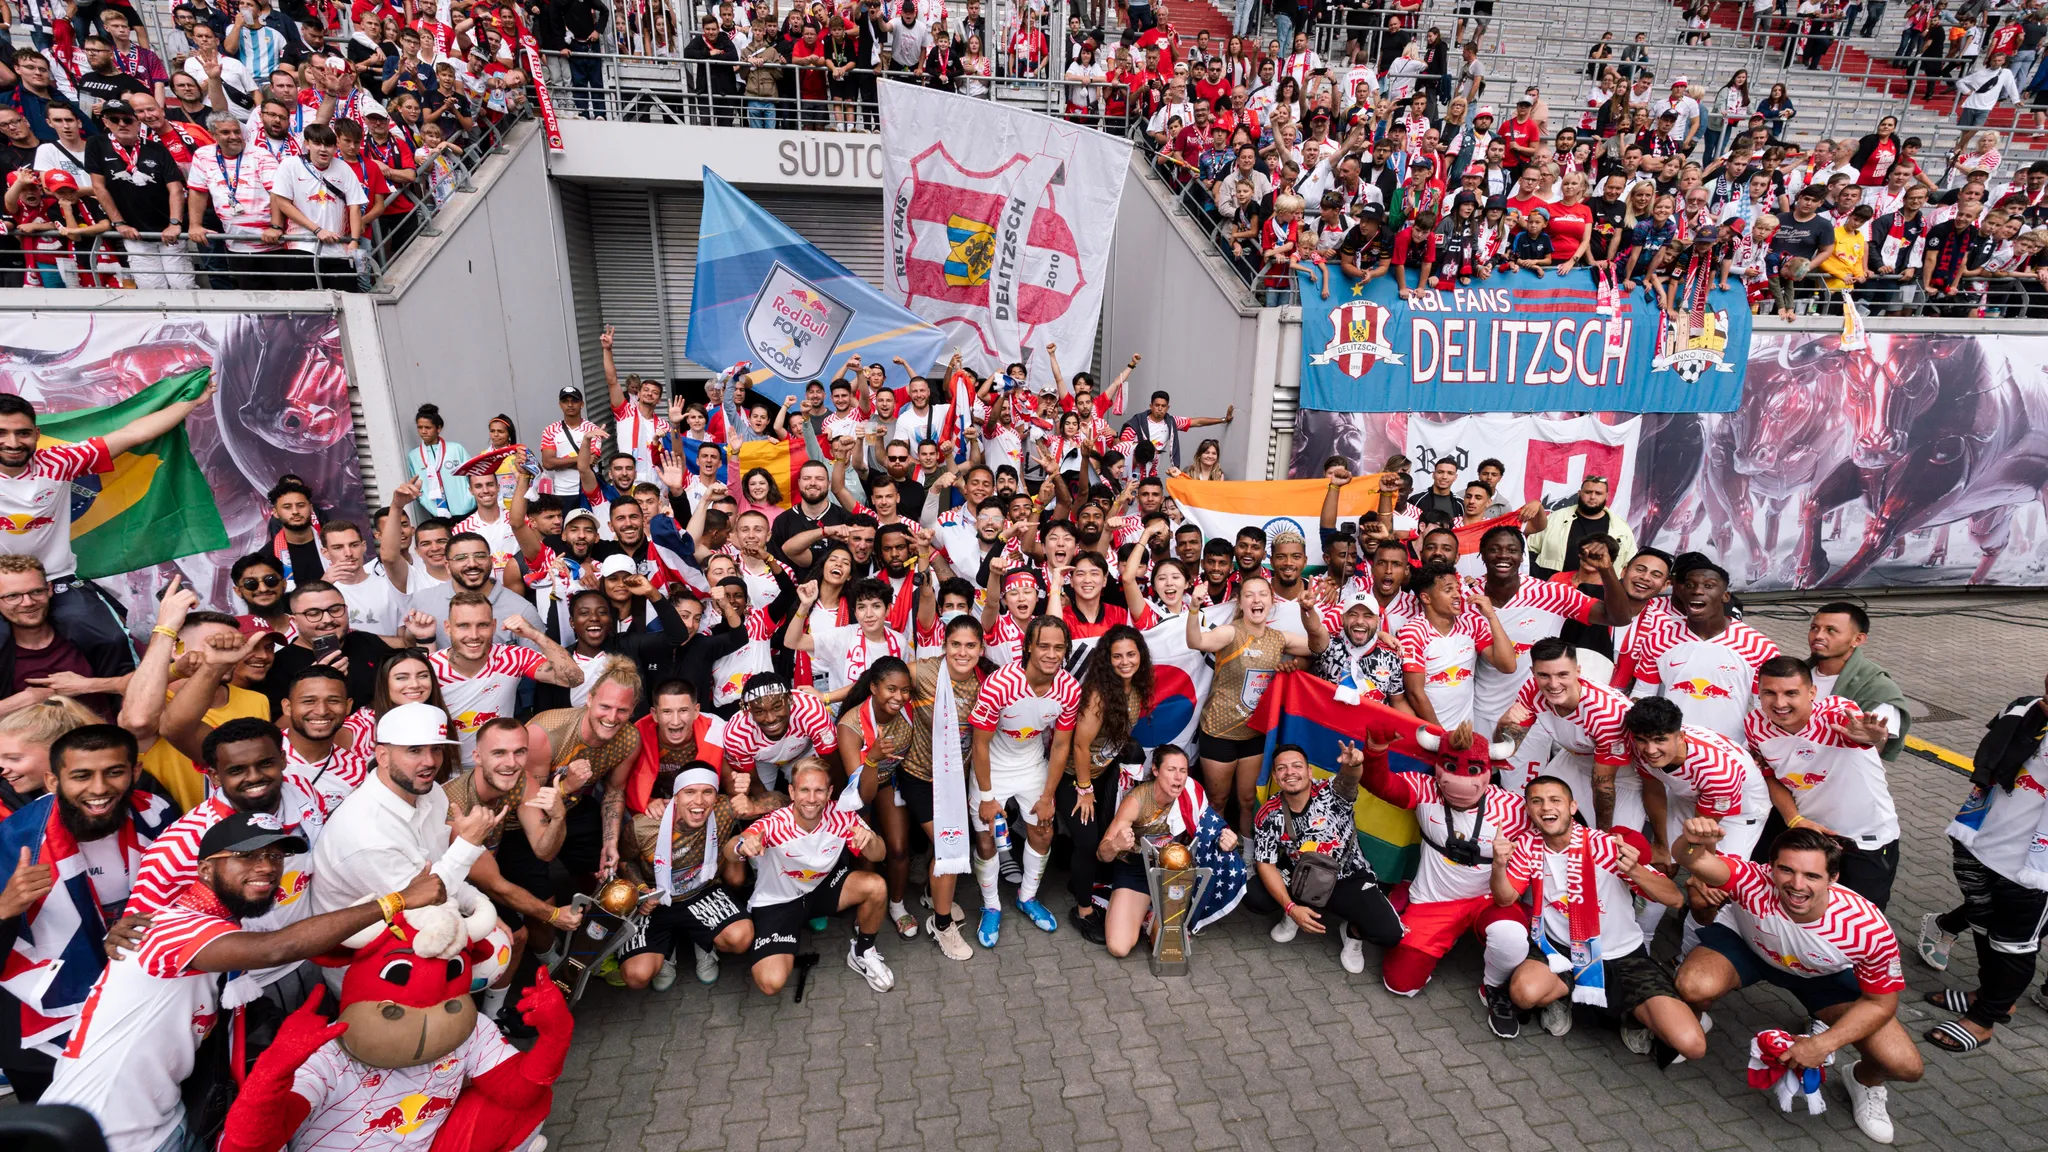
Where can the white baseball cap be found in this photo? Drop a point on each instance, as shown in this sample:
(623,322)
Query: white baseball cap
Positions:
(1358,596)
(617,564)
(412,725)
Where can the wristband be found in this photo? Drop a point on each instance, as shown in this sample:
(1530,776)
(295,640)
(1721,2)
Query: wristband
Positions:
(1289,910)
(1085,789)
(391,904)
(1795,822)
(164,632)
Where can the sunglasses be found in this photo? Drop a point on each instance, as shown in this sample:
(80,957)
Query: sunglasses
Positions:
(252,583)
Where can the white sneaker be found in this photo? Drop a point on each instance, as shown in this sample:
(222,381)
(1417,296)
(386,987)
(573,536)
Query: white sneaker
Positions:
(664,979)
(1635,1038)
(707,966)
(1557,1017)
(1869,1106)
(871,966)
(1285,931)
(1353,955)
(1935,945)
(951,943)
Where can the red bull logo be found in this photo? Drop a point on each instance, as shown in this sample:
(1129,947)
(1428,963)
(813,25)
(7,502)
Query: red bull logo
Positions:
(406,1116)
(810,301)
(804,875)
(1451,677)
(291,886)
(1792,963)
(23,525)
(1700,689)
(2026,780)
(1802,781)
(1022,733)
(468,722)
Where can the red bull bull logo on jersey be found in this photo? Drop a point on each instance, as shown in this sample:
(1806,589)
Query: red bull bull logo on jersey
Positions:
(1023,733)
(406,1116)
(1451,677)
(805,875)
(1700,689)
(23,525)
(1802,781)
(2026,780)
(292,885)
(469,722)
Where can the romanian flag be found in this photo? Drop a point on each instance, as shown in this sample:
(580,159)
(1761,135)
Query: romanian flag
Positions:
(781,458)
(156,504)
(1300,708)
(1221,507)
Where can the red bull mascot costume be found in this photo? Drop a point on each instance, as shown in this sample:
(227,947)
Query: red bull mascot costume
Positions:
(411,1066)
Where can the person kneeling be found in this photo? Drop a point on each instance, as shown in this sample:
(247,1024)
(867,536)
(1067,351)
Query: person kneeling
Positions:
(1796,927)
(1168,808)
(1585,945)
(696,886)
(1313,818)
(803,861)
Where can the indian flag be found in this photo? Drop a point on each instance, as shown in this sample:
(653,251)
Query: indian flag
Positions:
(1275,507)
(156,504)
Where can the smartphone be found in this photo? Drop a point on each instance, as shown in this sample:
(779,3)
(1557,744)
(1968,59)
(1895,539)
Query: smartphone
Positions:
(322,645)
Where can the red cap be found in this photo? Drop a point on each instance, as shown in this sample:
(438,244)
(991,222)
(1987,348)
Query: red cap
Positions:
(57,178)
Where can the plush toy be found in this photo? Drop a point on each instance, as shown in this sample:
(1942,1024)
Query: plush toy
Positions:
(1767,1074)
(411,1066)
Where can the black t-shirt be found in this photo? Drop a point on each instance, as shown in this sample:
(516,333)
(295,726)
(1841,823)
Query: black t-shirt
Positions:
(1800,239)
(306,562)
(96,88)
(796,521)
(365,653)
(910,498)
(140,182)
(1367,252)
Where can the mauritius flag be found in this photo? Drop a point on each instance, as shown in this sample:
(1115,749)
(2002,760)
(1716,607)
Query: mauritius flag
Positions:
(156,504)
(1300,708)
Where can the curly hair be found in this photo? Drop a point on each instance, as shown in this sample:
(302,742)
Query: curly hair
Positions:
(1099,681)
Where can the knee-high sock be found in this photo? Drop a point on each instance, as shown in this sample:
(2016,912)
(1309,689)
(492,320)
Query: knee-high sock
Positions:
(1507,945)
(1034,870)
(986,873)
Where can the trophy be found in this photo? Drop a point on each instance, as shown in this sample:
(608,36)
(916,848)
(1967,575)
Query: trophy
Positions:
(1177,887)
(610,922)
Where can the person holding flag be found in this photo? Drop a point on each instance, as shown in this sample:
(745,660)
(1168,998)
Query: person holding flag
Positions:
(36,497)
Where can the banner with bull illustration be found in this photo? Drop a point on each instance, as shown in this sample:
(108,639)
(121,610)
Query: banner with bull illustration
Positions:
(998,225)
(282,407)
(1516,342)
(1917,461)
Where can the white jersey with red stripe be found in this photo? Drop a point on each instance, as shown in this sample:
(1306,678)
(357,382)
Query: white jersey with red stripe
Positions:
(1537,611)
(1718,778)
(810,732)
(333,779)
(729,672)
(637,431)
(498,533)
(1004,643)
(1593,735)
(474,701)
(1851,934)
(1834,781)
(149,1001)
(1713,681)
(357,1108)
(1445,662)
(1023,720)
(843,651)
(793,861)
(1620,934)
(1396,613)
(35,507)
(1437,877)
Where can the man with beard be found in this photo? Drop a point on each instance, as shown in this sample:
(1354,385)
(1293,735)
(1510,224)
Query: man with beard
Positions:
(804,857)
(1834,641)
(258,580)
(291,505)
(555,565)
(35,501)
(324,637)
(149,1012)
(792,541)
(1585,945)
(602,733)
(398,822)
(680,650)
(674,734)
(1557,545)
(661,567)
(1438,545)
(311,715)
(966,545)
(1306,816)
(1532,610)
(1392,602)
(469,570)
(245,762)
(1695,655)
(480,678)
(37,661)
(1219,574)
(70,858)
(1361,660)
(697,885)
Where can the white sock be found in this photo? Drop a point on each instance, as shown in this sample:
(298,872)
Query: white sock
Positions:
(986,874)
(897,911)
(1034,869)
(1507,945)
(494,999)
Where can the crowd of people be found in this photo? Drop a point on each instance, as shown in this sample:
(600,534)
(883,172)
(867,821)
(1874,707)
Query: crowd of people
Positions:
(607,651)
(258,148)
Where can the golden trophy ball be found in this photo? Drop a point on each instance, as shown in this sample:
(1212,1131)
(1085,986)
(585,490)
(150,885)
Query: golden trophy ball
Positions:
(1176,858)
(618,897)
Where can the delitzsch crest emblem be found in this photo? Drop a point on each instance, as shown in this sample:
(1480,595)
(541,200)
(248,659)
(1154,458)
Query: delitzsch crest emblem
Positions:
(1358,338)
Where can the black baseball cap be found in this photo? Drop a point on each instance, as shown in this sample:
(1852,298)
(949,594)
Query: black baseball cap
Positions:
(570,393)
(1373,212)
(247,832)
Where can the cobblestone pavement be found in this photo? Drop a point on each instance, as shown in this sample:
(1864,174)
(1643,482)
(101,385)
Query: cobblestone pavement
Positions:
(1048,1043)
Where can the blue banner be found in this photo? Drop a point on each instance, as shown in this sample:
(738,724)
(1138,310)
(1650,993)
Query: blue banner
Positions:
(767,296)
(1516,342)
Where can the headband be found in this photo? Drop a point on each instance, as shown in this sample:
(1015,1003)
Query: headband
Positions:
(1021,576)
(704,776)
(761,687)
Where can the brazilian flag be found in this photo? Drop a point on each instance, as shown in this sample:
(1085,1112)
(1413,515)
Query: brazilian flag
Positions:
(156,504)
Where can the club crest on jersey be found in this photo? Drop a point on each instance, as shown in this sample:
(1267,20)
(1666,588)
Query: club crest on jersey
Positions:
(1358,338)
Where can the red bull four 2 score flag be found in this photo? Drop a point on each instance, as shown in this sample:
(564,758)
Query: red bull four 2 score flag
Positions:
(999,224)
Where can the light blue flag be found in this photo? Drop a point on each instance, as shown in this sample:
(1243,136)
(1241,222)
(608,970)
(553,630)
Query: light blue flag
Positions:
(767,296)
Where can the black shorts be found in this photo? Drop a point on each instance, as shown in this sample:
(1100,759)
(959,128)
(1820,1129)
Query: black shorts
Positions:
(776,926)
(916,796)
(1869,872)
(1224,750)
(1632,980)
(700,917)
(1129,874)
(1813,992)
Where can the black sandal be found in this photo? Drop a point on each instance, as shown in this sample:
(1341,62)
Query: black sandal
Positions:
(1950,1000)
(1951,1036)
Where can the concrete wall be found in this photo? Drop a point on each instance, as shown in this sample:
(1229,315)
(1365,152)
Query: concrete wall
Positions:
(479,320)
(1200,338)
